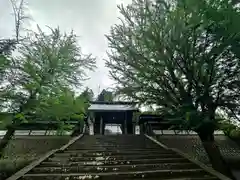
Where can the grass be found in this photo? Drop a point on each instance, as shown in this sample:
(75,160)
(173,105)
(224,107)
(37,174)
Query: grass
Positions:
(24,149)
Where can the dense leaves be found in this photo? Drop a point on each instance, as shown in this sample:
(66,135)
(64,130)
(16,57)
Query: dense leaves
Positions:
(177,57)
(8,45)
(105,96)
(62,106)
(182,56)
(39,81)
(47,65)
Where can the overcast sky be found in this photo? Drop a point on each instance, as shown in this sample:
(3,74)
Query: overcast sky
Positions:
(90,20)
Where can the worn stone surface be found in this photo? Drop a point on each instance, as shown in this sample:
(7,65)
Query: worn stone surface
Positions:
(116,157)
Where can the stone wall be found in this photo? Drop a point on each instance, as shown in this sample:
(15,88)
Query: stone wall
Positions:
(191,144)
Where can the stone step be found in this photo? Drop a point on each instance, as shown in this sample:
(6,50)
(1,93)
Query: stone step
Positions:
(121,150)
(125,157)
(164,174)
(109,153)
(119,162)
(124,140)
(114,168)
(112,158)
(117,150)
(98,178)
(114,147)
(111,148)
(122,136)
(117,141)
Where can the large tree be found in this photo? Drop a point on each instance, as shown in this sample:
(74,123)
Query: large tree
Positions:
(62,108)
(105,95)
(173,55)
(86,96)
(47,62)
(8,45)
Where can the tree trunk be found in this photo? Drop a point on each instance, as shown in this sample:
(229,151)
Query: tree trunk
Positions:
(76,131)
(6,139)
(214,155)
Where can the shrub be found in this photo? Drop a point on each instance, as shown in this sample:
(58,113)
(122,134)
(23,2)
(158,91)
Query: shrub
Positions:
(9,166)
(230,129)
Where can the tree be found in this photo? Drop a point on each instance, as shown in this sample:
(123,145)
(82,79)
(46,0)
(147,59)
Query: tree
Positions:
(8,45)
(171,55)
(87,94)
(62,108)
(105,96)
(47,63)
(224,16)
(4,63)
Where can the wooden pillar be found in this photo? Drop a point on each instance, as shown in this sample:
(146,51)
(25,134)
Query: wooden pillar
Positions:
(103,128)
(93,122)
(142,128)
(88,125)
(101,125)
(125,124)
(134,128)
(122,127)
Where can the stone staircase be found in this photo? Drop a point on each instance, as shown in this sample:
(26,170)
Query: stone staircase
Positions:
(120,157)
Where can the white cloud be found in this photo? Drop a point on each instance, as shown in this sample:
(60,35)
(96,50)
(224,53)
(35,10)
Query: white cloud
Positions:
(90,20)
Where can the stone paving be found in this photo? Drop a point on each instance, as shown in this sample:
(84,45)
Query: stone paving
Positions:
(120,157)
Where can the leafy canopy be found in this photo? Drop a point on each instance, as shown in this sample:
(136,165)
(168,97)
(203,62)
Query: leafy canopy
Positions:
(48,67)
(180,56)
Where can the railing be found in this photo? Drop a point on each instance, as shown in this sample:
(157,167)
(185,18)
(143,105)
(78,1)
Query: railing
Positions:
(148,129)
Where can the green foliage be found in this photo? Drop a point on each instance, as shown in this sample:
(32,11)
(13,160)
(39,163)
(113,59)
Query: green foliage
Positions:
(87,94)
(105,96)
(10,166)
(20,117)
(4,63)
(235,133)
(48,65)
(180,56)
(6,47)
(38,82)
(151,112)
(229,129)
(5,119)
(62,106)
(135,117)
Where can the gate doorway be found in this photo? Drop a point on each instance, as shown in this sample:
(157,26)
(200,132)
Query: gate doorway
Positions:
(112,129)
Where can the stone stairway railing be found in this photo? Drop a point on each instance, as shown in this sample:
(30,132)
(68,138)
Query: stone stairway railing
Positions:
(115,157)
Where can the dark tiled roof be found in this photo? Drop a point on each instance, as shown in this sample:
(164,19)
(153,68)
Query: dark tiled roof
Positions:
(114,102)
